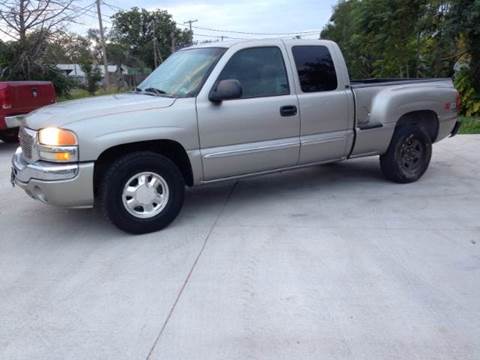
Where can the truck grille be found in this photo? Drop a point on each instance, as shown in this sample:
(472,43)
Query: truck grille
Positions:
(27,142)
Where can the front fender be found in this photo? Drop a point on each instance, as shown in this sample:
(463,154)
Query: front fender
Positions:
(177,123)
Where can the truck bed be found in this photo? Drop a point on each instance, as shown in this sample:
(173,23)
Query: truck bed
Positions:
(370,94)
(359,83)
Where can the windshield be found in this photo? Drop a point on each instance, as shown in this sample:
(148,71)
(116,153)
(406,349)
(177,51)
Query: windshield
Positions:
(183,73)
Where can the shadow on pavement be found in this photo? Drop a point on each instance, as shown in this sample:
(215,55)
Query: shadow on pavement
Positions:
(7,148)
(203,203)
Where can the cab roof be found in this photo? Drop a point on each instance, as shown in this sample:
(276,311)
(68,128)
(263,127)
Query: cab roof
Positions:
(231,42)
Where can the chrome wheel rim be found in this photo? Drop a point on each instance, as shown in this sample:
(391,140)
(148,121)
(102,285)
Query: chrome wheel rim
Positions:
(145,195)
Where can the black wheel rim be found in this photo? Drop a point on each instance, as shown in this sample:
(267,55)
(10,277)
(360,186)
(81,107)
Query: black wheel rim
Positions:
(412,155)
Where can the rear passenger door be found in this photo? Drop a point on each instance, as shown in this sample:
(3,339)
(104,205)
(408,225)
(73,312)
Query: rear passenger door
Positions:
(251,134)
(326,102)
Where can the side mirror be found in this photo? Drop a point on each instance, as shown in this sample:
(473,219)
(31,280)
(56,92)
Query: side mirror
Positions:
(226,90)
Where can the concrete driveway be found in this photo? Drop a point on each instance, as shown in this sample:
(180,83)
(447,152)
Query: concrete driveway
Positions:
(331,262)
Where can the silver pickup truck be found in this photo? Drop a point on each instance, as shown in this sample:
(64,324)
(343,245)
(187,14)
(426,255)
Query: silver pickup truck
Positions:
(221,111)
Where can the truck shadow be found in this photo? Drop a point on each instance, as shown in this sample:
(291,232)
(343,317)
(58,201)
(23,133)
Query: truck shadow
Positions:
(203,203)
(329,180)
(6,148)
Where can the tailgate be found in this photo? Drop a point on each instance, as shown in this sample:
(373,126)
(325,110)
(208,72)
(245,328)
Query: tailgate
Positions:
(28,97)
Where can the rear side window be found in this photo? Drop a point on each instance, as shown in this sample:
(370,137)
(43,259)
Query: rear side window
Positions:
(261,71)
(315,68)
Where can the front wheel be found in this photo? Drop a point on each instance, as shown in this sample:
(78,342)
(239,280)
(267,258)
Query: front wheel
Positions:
(142,192)
(408,155)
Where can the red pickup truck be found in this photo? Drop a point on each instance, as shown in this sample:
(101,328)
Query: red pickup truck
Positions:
(21,97)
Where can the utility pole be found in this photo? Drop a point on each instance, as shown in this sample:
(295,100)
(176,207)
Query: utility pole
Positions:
(155,46)
(174,45)
(104,48)
(190,22)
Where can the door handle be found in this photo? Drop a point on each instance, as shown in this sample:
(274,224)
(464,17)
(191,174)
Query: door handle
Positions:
(288,110)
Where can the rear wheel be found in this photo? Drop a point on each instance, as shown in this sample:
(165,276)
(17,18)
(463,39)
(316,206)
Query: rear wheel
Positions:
(9,136)
(408,155)
(142,192)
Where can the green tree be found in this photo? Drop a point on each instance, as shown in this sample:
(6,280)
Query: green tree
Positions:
(31,24)
(380,37)
(411,38)
(4,50)
(28,61)
(346,28)
(69,48)
(464,24)
(134,31)
(405,38)
(92,74)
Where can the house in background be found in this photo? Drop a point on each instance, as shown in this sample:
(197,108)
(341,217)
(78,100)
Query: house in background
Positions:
(75,71)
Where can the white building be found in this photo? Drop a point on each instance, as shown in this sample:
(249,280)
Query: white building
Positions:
(75,70)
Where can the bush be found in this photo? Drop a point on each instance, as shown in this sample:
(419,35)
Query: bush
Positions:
(470,98)
(63,84)
(17,64)
(93,76)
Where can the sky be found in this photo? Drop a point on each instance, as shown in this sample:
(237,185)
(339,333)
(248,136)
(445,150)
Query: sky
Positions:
(256,16)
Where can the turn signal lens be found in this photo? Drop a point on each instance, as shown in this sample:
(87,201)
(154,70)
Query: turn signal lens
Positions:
(56,137)
(62,156)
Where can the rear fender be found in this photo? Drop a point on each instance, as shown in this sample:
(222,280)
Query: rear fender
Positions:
(389,105)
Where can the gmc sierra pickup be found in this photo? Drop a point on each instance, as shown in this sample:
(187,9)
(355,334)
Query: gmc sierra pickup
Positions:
(221,111)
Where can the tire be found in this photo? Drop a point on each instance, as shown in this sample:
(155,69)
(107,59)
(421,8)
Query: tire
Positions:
(408,155)
(128,192)
(9,136)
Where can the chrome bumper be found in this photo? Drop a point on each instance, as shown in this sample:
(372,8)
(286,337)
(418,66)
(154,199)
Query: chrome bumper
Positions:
(67,185)
(41,170)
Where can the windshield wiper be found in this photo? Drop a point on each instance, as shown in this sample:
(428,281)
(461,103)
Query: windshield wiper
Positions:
(155,91)
(151,91)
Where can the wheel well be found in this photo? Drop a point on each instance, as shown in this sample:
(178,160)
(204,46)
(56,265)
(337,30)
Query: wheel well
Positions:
(426,119)
(171,149)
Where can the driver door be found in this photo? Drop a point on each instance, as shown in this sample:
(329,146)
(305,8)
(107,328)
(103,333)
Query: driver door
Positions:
(253,133)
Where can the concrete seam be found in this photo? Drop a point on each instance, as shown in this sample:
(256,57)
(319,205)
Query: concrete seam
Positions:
(184,285)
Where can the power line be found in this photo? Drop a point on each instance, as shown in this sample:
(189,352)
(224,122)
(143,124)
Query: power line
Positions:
(220,36)
(113,7)
(89,11)
(240,38)
(257,33)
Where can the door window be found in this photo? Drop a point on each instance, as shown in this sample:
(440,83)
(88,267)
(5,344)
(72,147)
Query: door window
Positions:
(261,72)
(315,67)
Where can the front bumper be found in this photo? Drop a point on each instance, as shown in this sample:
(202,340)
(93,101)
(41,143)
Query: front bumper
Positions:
(66,185)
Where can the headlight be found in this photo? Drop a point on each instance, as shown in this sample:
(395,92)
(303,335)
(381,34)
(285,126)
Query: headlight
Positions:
(57,137)
(57,145)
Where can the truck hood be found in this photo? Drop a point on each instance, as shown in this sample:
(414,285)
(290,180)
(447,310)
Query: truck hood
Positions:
(64,113)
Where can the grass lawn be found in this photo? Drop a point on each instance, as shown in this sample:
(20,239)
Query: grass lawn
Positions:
(470,125)
(81,93)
